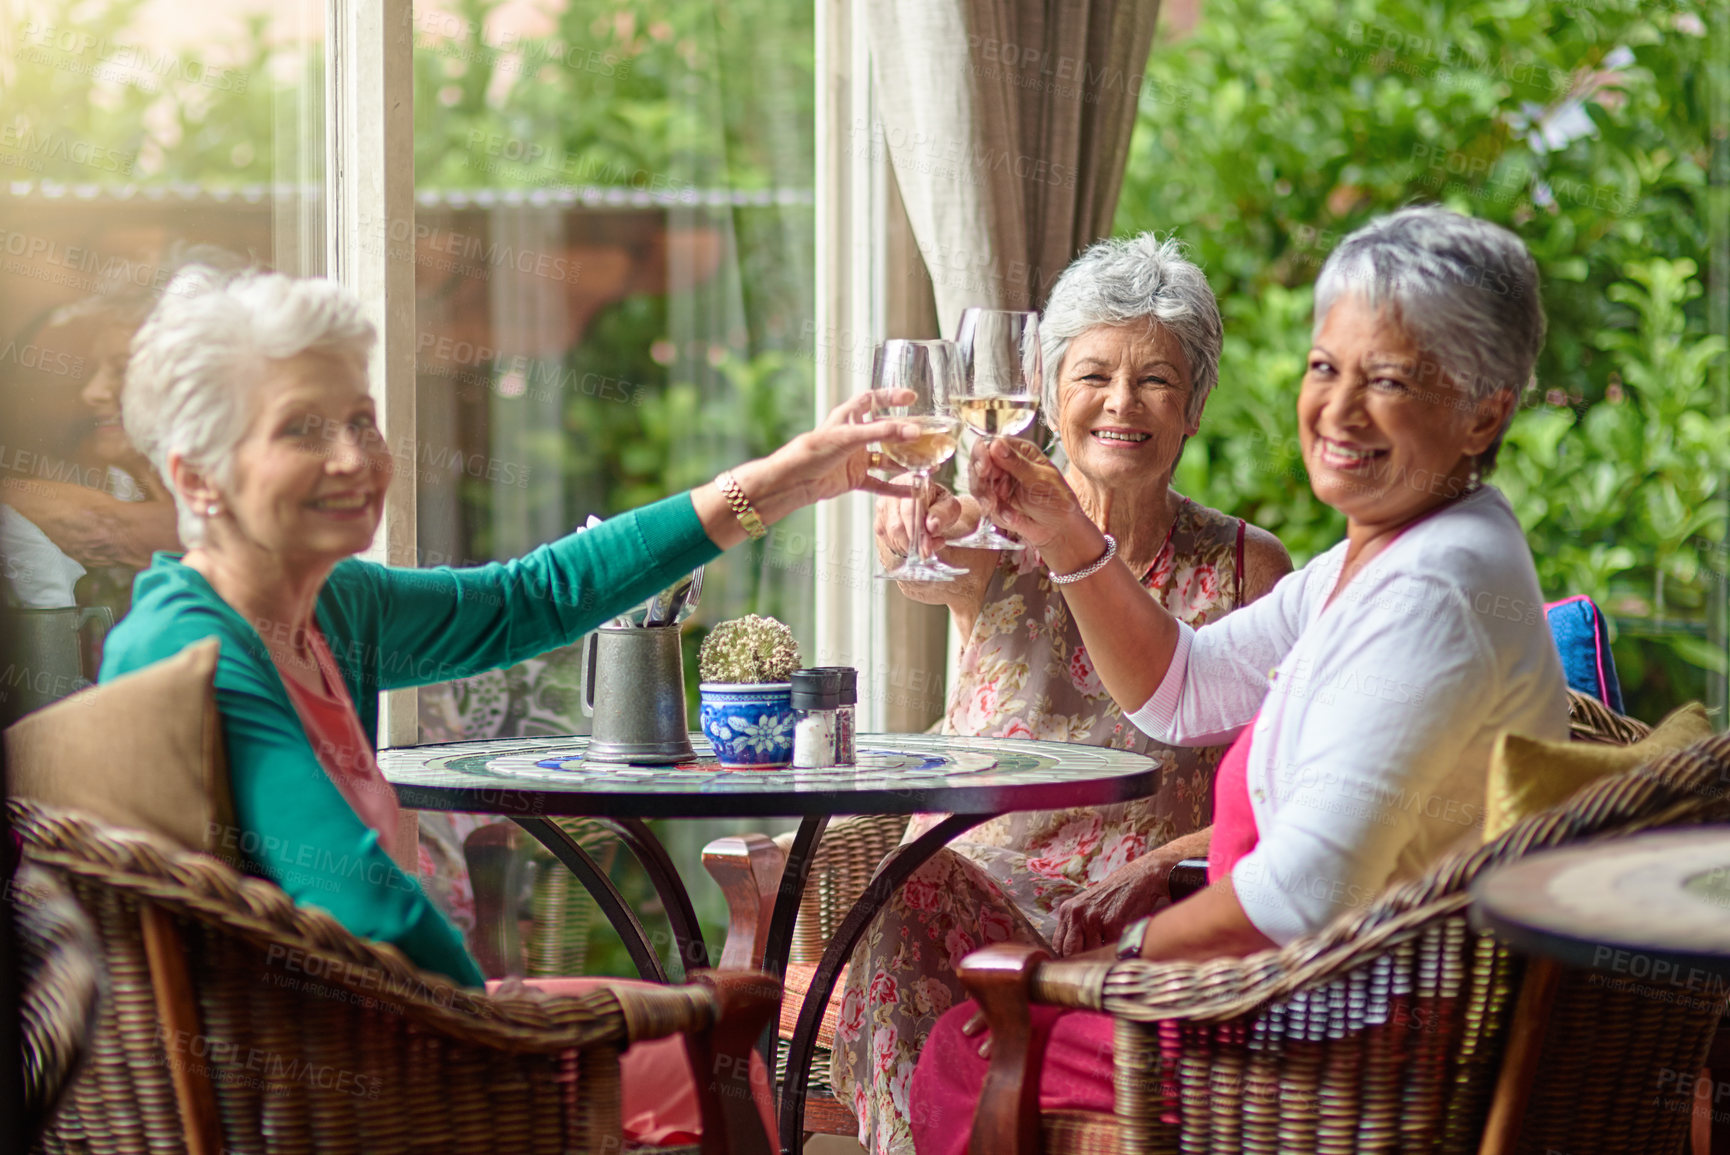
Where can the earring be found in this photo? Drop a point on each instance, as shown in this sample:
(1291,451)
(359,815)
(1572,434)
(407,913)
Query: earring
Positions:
(213,510)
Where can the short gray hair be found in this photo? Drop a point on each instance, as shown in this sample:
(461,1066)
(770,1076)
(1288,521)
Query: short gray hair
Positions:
(196,363)
(1119,282)
(1465,290)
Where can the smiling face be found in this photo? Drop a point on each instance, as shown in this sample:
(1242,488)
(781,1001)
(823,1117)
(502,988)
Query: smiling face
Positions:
(101,394)
(310,475)
(1386,436)
(1122,392)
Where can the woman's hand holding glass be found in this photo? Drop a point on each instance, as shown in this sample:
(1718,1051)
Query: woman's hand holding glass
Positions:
(948,516)
(1002,376)
(1028,496)
(931,372)
(832,459)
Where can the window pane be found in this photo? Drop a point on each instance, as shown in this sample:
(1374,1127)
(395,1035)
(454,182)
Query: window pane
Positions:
(613,247)
(134,137)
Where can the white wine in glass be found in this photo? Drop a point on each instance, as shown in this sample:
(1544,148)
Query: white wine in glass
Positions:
(997,415)
(1002,376)
(931,370)
(931,448)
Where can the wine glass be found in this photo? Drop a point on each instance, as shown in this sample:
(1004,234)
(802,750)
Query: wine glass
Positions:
(932,370)
(1002,378)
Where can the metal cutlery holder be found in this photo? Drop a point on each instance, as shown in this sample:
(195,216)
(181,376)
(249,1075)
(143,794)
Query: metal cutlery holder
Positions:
(634,689)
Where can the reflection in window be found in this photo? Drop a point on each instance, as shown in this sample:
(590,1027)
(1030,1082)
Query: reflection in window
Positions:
(134,138)
(613,248)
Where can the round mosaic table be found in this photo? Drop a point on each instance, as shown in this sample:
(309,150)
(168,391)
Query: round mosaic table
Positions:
(972,780)
(1651,908)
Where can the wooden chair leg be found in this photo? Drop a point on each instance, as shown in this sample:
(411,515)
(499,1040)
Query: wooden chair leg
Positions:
(748,869)
(177,1011)
(1520,1061)
(1000,978)
(721,1062)
(1711,1136)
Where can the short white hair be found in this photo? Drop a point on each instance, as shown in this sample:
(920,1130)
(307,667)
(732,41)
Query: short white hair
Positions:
(198,359)
(1464,289)
(1119,282)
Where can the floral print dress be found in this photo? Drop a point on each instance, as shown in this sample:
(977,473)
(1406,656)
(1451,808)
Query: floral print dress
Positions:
(1023,674)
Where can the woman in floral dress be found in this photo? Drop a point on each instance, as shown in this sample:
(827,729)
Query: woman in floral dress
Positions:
(1131,339)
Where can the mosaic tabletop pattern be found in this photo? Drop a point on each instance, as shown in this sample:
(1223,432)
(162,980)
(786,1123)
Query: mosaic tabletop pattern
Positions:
(1650,907)
(896,774)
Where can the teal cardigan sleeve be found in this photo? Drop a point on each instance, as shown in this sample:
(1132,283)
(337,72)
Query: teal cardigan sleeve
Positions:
(389,627)
(292,824)
(434,625)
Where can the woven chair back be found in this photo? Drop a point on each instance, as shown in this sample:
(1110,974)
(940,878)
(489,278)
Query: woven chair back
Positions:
(303,1037)
(847,856)
(1385,1032)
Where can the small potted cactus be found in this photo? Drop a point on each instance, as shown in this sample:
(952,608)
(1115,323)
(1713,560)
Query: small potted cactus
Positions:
(746,700)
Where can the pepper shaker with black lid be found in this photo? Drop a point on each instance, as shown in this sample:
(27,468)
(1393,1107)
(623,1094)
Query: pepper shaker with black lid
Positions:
(846,752)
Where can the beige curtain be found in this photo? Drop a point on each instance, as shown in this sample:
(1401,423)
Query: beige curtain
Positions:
(1007,122)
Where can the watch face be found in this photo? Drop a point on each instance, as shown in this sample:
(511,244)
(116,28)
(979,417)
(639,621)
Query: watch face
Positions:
(1129,944)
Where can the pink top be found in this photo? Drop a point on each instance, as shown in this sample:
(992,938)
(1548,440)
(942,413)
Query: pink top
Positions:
(343,749)
(1234,829)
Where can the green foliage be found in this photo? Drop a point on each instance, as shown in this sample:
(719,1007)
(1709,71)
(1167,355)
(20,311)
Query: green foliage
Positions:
(90,98)
(1274,130)
(662,97)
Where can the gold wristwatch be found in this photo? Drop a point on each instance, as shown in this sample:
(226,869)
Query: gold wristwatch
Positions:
(740,504)
(1129,942)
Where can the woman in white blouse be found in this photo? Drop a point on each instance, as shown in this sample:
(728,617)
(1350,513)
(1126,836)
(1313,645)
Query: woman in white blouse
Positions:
(1364,692)
(1378,676)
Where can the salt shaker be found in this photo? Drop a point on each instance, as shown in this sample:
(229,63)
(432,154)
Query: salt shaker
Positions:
(816,699)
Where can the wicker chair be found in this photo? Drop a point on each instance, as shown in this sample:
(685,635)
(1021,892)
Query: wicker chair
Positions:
(239,1022)
(748,869)
(1395,1029)
(503,861)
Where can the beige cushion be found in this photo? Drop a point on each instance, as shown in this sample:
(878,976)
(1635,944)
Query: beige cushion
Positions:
(143,751)
(1527,776)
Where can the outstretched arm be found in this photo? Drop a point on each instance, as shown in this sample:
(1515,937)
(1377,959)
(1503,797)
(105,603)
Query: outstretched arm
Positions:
(826,462)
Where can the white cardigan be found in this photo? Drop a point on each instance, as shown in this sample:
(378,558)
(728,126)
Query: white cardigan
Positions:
(1377,713)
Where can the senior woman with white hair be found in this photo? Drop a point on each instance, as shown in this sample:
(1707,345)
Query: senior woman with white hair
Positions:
(249,394)
(1130,340)
(1364,694)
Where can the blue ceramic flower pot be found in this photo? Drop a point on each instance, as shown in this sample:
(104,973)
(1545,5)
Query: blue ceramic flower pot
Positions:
(750,725)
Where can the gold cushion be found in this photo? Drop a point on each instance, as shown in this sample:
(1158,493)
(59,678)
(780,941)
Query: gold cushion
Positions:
(1527,776)
(143,751)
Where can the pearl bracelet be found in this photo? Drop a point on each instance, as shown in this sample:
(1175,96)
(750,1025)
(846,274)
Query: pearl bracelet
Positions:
(1110,552)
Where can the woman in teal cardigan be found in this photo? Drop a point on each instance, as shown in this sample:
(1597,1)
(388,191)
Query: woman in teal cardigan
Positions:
(250,395)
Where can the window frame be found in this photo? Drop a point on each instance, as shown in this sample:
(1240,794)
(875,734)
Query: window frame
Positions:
(369,185)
